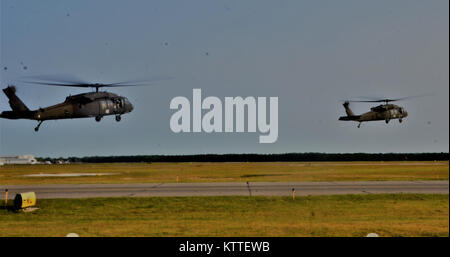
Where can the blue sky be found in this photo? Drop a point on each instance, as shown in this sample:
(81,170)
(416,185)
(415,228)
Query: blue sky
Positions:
(310,54)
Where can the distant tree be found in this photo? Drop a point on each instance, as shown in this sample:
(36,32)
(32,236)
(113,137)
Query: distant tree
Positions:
(286,157)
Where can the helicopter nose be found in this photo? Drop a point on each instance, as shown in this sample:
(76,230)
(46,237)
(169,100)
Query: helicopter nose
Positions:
(131,107)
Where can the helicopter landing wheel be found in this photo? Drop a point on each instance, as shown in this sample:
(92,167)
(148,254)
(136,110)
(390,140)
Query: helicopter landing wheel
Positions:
(400,120)
(118,118)
(387,121)
(98,118)
(37,127)
(359,125)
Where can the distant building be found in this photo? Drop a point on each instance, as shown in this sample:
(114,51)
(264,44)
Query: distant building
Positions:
(21,159)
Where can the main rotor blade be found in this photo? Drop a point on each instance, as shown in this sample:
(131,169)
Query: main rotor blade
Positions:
(82,85)
(66,79)
(142,82)
(367,101)
(385,100)
(58,84)
(409,97)
(53,81)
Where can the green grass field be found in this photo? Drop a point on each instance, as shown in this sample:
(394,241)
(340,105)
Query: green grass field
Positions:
(227,172)
(345,215)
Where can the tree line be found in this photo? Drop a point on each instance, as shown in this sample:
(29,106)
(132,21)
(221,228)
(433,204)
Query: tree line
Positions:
(286,157)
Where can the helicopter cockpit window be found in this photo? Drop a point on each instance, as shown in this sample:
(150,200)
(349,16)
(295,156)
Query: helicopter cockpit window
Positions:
(118,102)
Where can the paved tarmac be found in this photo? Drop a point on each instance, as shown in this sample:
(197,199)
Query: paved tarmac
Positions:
(220,189)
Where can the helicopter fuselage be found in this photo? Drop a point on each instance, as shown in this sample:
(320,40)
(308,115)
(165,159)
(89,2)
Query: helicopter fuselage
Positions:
(96,104)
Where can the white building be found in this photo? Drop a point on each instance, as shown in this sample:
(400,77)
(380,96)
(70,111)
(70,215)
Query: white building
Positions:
(21,159)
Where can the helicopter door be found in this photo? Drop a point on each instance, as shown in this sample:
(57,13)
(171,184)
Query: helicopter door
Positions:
(103,108)
(393,113)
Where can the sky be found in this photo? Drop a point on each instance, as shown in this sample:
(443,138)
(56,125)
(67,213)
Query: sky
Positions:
(310,54)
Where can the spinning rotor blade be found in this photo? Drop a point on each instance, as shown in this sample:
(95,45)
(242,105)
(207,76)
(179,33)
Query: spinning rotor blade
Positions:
(362,101)
(63,79)
(384,100)
(409,97)
(136,83)
(58,84)
(68,82)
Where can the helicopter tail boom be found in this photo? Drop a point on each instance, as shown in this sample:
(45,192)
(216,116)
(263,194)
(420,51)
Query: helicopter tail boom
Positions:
(12,115)
(354,118)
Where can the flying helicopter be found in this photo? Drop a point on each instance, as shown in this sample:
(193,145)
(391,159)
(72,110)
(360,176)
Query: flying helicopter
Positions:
(384,111)
(91,104)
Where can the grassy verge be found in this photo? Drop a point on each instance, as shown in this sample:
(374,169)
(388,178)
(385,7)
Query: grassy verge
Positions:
(344,215)
(227,172)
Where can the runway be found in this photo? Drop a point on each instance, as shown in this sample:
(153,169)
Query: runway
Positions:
(222,189)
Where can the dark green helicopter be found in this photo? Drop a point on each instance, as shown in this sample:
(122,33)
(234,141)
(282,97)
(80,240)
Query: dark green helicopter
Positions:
(92,104)
(384,111)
